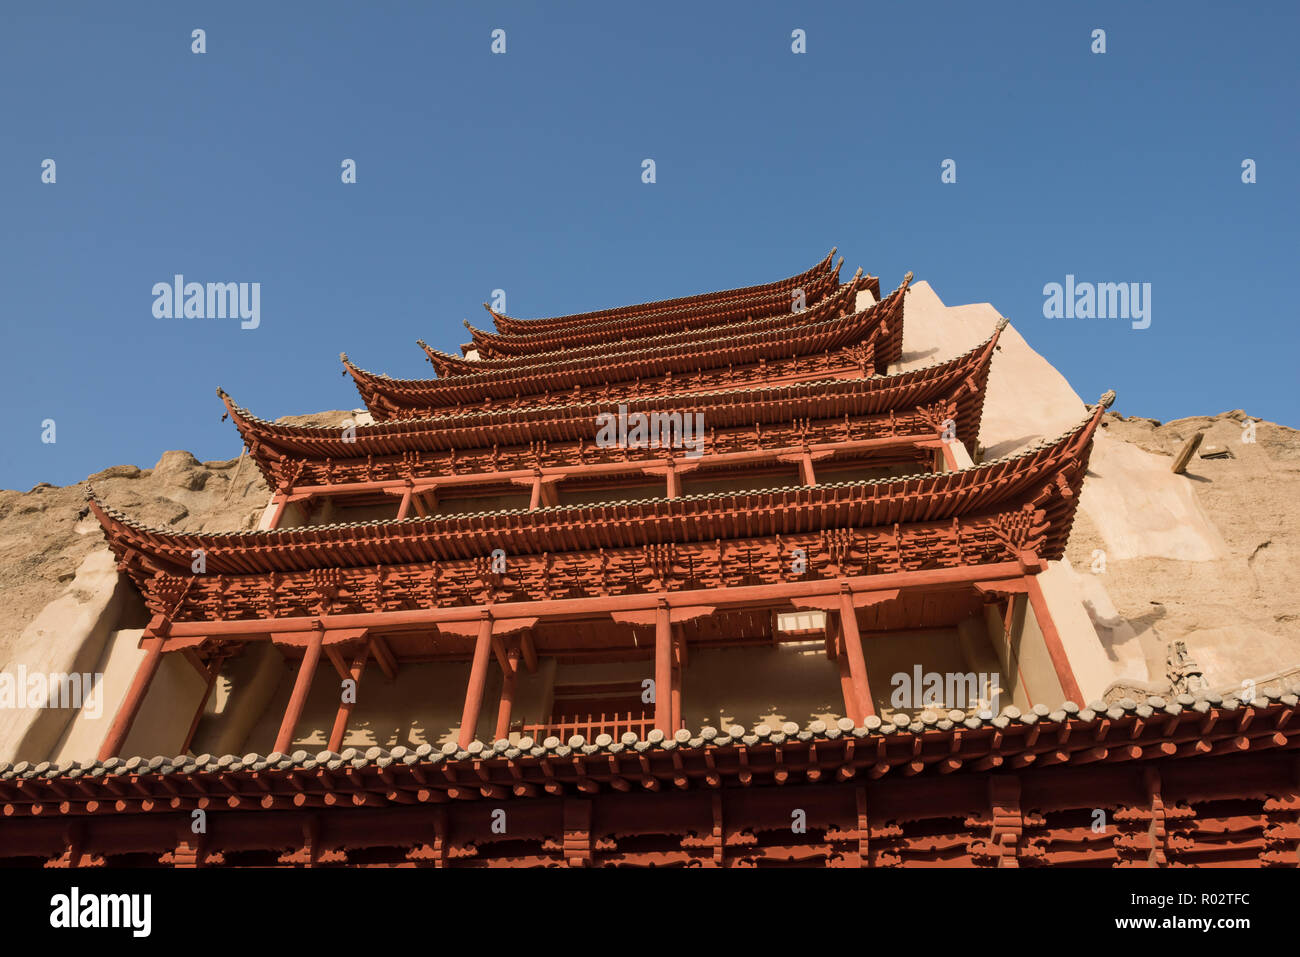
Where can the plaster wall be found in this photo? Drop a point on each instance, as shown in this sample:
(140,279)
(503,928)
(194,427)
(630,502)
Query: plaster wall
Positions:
(68,636)
(793,681)
(164,718)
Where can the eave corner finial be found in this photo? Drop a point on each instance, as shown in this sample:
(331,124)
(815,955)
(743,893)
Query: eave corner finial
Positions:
(343,357)
(1003,322)
(1107,399)
(467,325)
(907,277)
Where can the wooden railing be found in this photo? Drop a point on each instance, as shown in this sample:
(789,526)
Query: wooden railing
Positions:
(591,725)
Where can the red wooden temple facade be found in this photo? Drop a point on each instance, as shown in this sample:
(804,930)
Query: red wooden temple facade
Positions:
(736,595)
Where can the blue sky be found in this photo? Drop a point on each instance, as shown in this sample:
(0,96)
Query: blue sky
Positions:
(522,171)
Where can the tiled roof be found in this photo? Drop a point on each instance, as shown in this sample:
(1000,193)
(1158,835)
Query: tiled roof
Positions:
(1123,713)
(842,298)
(533,416)
(528,325)
(591,510)
(823,334)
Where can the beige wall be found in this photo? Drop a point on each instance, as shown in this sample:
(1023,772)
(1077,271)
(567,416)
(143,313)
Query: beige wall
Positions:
(69,636)
(746,686)
(423,704)
(892,660)
(240,696)
(164,718)
(1030,676)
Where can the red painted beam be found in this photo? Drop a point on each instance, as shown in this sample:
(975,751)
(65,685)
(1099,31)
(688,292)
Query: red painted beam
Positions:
(477,681)
(853,649)
(663,667)
(1052,638)
(130,706)
(580,607)
(301,688)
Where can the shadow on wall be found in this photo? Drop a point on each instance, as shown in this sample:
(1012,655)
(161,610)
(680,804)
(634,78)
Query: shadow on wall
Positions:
(421,705)
(793,681)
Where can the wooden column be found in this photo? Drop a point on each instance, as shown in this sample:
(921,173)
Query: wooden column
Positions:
(281,502)
(806,469)
(1052,638)
(847,687)
(405,508)
(509,677)
(345,707)
(130,706)
(663,669)
(477,682)
(674,483)
(679,660)
(301,688)
(853,650)
(214,671)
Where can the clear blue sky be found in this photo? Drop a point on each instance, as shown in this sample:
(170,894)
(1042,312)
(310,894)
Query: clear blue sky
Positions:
(523,171)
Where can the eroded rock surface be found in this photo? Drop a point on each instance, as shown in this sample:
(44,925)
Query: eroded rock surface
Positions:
(47,533)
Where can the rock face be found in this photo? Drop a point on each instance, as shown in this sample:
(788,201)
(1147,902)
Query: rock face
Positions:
(1227,591)
(46,534)
(1205,557)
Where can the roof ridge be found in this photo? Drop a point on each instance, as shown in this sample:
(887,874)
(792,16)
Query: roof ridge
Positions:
(822,264)
(596,326)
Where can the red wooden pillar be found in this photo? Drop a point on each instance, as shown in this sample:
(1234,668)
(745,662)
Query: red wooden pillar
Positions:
(214,671)
(130,706)
(853,650)
(847,687)
(807,472)
(663,669)
(301,687)
(477,682)
(345,707)
(1052,638)
(404,509)
(508,680)
(679,661)
(281,502)
(674,483)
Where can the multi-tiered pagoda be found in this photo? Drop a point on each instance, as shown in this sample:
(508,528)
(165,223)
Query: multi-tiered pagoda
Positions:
(648,586)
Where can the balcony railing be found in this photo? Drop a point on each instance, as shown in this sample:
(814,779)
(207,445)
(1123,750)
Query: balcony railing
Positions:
(589,726)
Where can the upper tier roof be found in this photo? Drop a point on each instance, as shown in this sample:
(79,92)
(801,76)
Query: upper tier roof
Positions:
(270,444)
(698,316)
(508,325)
(840,302)
(632,371)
